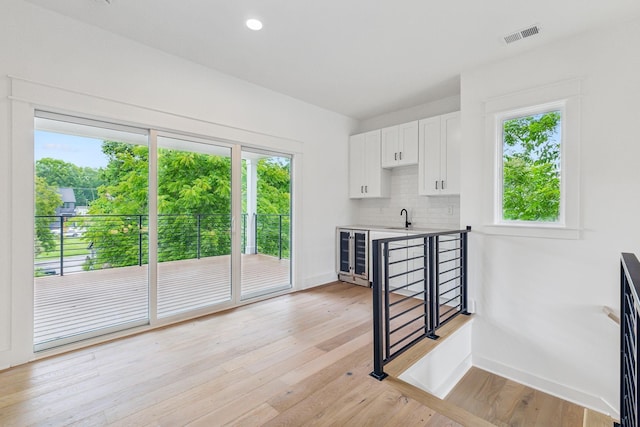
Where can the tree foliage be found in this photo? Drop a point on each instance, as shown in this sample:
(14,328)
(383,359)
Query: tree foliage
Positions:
(194,204)
(47,200)
(60,174)
(531,168)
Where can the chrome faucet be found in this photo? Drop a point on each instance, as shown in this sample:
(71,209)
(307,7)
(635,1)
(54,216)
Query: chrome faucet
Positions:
(406,218)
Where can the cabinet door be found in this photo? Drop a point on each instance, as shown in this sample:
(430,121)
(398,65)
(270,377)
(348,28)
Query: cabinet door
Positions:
(344,262)
(450,154)
(429,157)
(360,255)
(408,144)
(375,184)
(390,147)
(356,166)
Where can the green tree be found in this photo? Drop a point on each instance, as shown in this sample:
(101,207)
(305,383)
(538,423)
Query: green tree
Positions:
(194,205)
(47,200)
(58,173)
(117,223)
(194,201)
(531,168)
(274,205)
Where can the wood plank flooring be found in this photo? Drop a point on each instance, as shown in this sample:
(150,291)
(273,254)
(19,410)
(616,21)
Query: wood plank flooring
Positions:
(298,359)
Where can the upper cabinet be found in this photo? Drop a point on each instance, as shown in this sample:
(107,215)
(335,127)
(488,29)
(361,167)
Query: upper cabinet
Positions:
(439,155)
(400,145)
(367,179)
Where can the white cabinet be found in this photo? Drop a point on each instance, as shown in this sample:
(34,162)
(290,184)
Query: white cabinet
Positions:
(366,178)
(439,155)
(400,145)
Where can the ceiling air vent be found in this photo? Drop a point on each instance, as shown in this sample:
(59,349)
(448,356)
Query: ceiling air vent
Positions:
(522,34)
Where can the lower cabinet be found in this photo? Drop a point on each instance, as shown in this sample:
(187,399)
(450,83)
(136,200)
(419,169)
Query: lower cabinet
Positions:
(353,256)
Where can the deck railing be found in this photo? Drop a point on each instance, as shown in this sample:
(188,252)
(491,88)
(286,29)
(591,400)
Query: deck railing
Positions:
(419,284)
(65,244)
(629,344)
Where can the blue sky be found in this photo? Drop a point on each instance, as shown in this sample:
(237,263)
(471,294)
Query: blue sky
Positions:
(78,150)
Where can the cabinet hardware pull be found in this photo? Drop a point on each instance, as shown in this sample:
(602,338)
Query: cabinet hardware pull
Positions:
(395,156)
(401,155)
(442,184)
(366,188)
(436,185)
(361,189)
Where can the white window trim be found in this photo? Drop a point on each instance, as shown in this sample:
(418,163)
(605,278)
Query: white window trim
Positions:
(563,96)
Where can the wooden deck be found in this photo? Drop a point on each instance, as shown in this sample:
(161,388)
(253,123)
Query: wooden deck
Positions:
(81,302)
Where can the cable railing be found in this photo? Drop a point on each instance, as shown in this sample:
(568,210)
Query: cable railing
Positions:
(419,284)
(629,333)
(67,244)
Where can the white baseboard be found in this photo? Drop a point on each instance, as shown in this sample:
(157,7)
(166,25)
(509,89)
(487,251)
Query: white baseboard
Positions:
(553,388)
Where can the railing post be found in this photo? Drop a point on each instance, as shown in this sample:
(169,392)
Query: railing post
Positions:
(140,240)
(255,231)
(433,288)
(280,237)
(464,294)
(378,370)
(61,245)
(198,236)
(426,284)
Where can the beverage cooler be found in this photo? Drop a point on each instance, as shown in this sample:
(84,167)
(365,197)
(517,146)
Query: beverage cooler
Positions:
(353,256)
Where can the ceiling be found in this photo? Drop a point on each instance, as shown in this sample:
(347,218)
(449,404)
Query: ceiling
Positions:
(360,58)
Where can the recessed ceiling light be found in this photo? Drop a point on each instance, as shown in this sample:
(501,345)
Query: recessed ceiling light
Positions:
(254,24)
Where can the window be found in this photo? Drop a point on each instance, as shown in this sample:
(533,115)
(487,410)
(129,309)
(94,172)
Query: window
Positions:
(531,172)
(533,143)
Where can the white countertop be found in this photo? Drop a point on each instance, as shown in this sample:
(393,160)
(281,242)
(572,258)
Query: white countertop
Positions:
(395,229)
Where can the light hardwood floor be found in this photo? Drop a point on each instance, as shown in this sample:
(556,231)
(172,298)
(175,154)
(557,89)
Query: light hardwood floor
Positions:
(299,359)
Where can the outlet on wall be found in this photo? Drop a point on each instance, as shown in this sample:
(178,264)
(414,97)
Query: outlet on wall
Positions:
(450,210)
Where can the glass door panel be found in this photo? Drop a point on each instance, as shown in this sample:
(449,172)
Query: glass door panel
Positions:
(266,225)
(194,225)
(90,229)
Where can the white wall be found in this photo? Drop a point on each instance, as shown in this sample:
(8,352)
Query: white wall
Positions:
(39,45)
(422,111)
(539,301)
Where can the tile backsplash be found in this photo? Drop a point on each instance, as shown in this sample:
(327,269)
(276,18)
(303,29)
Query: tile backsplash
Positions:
(425,212)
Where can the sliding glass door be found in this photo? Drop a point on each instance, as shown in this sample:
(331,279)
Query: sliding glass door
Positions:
(194,225)
(90,229)
(266,225)
(135,227)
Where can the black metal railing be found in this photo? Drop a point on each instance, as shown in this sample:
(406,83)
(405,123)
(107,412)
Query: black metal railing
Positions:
(65,244)
(629,345)
(419,284)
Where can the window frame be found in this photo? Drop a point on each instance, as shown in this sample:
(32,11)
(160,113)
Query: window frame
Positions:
(564,97)
(501,118)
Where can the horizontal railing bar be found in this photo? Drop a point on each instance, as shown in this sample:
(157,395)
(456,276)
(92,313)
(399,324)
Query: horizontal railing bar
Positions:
(450,240)
(444,251)
(407,337)
(452,289)
(402,313)
(422,316)
(450,270)
(406,260)
(421,236)
(449,300)
(454,308)
(406,298)
(449,260)
(450,280)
